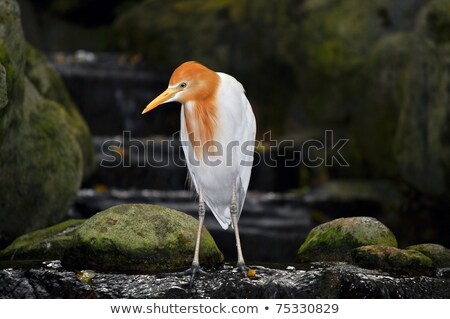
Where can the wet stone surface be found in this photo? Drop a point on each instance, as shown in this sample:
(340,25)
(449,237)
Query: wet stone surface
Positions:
(318,280)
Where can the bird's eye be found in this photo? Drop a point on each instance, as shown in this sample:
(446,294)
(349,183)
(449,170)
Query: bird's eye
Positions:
(183,85)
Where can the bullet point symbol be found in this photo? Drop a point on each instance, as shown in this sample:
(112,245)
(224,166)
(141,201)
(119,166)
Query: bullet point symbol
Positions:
(267,308)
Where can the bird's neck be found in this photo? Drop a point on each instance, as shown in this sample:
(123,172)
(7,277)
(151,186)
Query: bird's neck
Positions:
(201,122)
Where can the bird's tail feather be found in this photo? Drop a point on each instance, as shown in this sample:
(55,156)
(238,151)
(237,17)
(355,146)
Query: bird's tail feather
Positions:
(222,212)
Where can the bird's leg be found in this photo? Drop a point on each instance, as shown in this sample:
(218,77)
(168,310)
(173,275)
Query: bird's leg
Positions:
(233,210)
(195,268)
(201,218)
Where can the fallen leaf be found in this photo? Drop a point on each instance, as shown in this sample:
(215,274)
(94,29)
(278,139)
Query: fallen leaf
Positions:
(85,276)
(251,273)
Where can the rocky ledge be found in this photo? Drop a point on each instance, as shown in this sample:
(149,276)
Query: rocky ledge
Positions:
(127,250)
(315,280)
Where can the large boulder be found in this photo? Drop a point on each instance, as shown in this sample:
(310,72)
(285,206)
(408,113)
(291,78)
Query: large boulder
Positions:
(139,237)
(45,145)
(422,136)
(48,83)
(335,240)
(377,73)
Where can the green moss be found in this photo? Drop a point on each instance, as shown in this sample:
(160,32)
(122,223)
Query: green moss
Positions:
(392,259)
(44,244)
(3,88)
(9,69)
(376,121)
(41,177)
(437,21)
(336,37)
(333,241)
(439,255)
(45,146)
(46,80)
(138,237)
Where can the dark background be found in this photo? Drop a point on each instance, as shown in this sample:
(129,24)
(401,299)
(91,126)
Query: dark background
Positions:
(373,72)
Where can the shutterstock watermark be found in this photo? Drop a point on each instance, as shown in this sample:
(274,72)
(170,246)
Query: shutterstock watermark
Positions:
(126,151)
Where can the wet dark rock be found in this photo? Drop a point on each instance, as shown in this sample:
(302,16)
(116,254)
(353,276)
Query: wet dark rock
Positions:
(334,241)
(392,259)
(333,280)
(139,237)
(443,273)
(439,255)
(44,244)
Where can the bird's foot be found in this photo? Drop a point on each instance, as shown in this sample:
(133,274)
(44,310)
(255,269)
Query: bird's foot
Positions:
(195,268)
(242,267)
(193,271)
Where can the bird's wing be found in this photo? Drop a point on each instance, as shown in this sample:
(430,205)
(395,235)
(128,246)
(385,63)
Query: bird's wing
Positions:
(236,124)
(246,152)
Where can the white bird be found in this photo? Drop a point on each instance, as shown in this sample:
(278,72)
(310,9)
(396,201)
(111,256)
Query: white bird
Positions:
(217,133)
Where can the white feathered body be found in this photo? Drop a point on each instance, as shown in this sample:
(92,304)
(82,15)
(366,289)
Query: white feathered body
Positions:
(214,175)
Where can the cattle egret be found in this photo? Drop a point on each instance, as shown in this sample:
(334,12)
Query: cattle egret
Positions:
(217,134)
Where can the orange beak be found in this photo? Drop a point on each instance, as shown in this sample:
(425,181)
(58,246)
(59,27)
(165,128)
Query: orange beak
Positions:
(162,98)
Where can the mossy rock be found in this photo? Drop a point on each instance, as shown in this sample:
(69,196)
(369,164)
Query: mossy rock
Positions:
(41,165)
(44,244)
(439,255)
(3,87)
(139,237)
(12,58)
(392,259)
(383,65)
(422,138)
(45,146)
(435,21)
(48,83)
(334,241)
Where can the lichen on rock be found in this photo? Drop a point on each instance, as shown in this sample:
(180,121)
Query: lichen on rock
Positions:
(439,255)
(334,241)
(139,237)
(45,145)
(44,244)
(391,259)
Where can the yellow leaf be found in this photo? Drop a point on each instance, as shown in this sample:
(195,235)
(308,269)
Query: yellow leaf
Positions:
(251,273)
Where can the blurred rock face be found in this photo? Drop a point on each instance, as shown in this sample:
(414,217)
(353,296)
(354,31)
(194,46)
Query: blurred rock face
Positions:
(376,72)
(45,145)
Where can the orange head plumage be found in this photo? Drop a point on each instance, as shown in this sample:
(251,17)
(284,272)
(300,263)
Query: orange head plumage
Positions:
(195,85)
